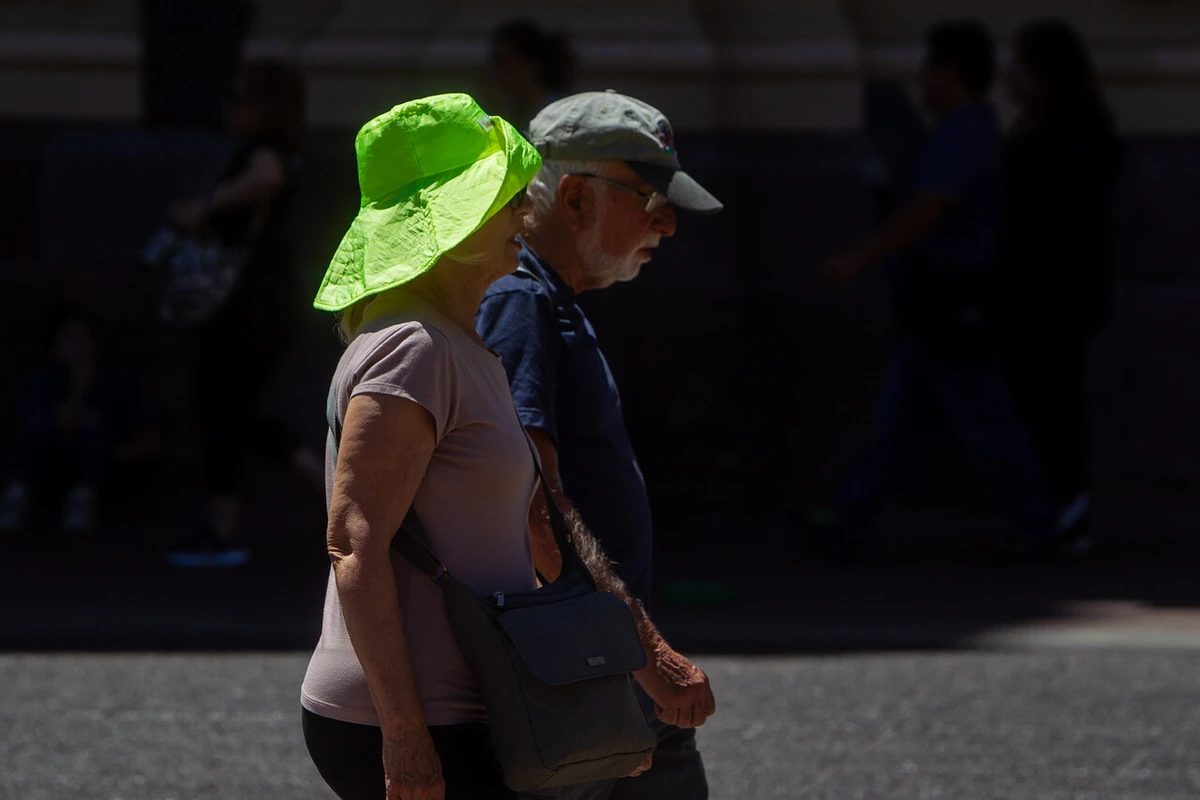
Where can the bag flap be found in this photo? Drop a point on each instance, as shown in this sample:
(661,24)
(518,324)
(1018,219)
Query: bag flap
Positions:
(590,636)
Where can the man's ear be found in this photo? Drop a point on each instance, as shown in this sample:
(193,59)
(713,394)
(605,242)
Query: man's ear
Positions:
(571,201)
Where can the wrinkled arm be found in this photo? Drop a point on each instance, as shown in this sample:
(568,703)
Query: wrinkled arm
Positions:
(385,448)
(679,688)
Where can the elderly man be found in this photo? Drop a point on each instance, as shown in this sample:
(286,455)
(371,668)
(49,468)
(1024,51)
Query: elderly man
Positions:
(605,198)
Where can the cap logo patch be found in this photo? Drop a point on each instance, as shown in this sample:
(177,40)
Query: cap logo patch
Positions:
(666,136)
(485,123)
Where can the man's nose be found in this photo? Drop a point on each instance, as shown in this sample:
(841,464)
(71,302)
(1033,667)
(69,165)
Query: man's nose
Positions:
(664,221)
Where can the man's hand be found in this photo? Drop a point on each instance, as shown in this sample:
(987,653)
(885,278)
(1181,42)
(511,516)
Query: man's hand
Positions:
(680,690)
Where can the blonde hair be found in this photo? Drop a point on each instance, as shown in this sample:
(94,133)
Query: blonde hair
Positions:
(349,320)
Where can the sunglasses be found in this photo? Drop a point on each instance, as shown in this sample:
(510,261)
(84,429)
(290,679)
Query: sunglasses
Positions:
(654,200)
(518,200)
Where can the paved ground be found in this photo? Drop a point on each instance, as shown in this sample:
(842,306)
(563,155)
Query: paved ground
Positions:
(1081,724)
(922,676)
(112,592)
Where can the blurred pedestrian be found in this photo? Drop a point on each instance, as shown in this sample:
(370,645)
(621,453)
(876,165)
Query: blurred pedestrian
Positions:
(81,417)
(1062,163)
(946,297)
(239,347)
(603,201)
(531,68)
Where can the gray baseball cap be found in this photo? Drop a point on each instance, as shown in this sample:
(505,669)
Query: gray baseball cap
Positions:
(607,126)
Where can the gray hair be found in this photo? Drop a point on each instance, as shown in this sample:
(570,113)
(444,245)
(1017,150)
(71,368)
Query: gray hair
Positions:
(543,189)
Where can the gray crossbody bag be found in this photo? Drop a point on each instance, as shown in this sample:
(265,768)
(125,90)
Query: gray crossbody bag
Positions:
(554,665)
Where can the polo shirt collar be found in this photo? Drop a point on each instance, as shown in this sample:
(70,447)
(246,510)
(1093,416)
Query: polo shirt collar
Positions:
(549,276)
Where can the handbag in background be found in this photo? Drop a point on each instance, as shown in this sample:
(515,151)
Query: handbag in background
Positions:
(195,276)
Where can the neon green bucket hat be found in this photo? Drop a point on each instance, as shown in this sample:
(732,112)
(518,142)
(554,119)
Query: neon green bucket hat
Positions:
(431,172)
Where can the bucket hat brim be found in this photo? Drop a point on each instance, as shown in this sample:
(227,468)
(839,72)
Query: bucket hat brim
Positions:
(398,237)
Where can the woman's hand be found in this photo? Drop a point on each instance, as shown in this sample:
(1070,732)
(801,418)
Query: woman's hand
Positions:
(643,767)
(412,768)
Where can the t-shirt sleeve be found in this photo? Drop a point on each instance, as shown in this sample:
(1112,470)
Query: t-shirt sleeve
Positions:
(955,158)
(520,326)
(415,363)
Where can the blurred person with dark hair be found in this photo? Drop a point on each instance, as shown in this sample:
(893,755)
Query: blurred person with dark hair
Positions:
(238,349)
(531,68)
(945,293)
(80,416)
(1062,164)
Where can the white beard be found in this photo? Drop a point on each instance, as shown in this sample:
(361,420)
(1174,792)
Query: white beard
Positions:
(603,267)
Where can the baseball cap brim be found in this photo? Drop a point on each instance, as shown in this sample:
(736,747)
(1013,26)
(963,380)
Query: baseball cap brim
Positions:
(681,188)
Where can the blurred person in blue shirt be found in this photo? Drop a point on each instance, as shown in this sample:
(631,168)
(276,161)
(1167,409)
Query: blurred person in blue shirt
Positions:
(944,245)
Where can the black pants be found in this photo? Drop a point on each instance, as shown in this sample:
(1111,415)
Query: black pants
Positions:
(1047,378)
(350,759)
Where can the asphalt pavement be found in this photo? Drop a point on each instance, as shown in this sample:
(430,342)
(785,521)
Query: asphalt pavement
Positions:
(1085,724)
(924,674)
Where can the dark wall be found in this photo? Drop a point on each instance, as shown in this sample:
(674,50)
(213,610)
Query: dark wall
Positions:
(748,384)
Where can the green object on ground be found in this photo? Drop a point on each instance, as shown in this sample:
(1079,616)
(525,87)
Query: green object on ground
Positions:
(699,594)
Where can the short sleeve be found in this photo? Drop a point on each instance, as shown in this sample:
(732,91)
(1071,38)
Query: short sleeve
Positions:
(954,159)
(520,326)
(416,363)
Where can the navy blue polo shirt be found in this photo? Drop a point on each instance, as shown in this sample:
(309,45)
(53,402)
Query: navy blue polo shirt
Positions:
(963,161)
(561,384)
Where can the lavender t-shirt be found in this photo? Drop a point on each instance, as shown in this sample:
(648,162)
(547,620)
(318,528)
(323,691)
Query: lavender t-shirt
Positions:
(473,503)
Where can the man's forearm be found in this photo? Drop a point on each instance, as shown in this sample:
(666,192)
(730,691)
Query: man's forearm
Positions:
(680,690)
(548,562)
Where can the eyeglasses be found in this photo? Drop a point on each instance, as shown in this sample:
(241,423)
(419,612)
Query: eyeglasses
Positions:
(654,200)
(518,200)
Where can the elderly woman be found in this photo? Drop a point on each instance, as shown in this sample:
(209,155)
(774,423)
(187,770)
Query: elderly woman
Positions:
(426,421)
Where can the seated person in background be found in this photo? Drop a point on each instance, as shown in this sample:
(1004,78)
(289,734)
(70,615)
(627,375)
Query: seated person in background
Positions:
(77,418)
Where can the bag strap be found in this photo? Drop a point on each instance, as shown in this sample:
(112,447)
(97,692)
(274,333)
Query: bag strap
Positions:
(562,533)
(411,541)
